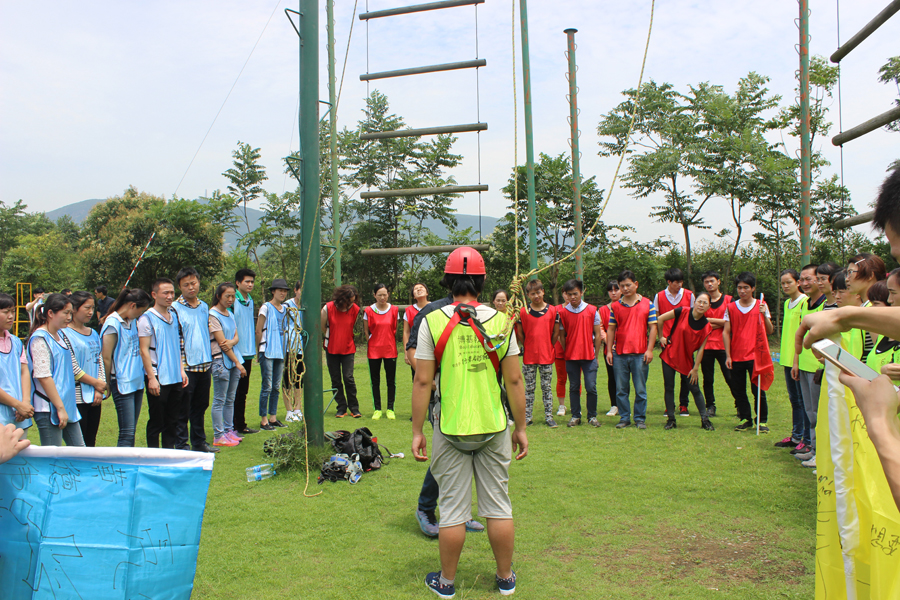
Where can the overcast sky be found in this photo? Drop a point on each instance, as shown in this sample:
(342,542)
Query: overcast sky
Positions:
(99,95)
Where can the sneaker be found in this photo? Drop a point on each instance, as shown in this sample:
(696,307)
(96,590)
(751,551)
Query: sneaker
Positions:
(427,522)
(787,442)
(744,425)
(683,411)
(224,440)
(705,424)
(573,422)
(234,438)
(390,415)
(613,412)
(356,415)
(670,424)
(811,463)
(248,431)
(594,422)
(641,425)
(474,526)
(623,424)
(528,422)
(763,428)
(376,415)
(298,416)
(277,423)
(267,427)
(711,411)
(433,582)
(507,586)
(805,455)
(562,411)
(551,423)
(800,448)
(340,415)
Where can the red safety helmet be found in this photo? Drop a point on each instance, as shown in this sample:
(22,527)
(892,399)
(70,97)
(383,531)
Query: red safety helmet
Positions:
(465,261)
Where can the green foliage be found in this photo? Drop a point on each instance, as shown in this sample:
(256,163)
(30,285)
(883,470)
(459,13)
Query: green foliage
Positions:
(889,73)
(45,260)
(289,452)
(116,231)
(16,222)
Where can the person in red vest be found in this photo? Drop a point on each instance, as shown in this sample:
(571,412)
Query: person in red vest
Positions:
(420,296)
(689,333)
(537,333)
(741,321)
(614,293)
(632,327)
(667,300)
(581,334)
(380,322)
(561,376)
(338,319)
(715,346)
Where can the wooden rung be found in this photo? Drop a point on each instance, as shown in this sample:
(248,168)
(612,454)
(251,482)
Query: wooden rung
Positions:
(383,135)
(421,250)
(872,124)
(468,64)
(405,10)
(447,189)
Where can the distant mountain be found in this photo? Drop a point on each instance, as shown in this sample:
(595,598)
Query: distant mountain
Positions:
(78,212)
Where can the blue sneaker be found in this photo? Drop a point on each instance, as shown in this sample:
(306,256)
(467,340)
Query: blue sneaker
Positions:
(507,586)
(427,522)
(433,581)
(474,526)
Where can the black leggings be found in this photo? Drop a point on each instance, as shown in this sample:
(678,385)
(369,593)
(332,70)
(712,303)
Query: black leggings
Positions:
(90,422)
(390,371)
(708,368)
(340,368)
(669,381)
(610,383)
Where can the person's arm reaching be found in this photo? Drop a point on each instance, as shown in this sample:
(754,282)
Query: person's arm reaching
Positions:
(829,323)
(11,442)
(879,403)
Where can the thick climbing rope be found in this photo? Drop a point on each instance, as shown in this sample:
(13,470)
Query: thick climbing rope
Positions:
(517,294)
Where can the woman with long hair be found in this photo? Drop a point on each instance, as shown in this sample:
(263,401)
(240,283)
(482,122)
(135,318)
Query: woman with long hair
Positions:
(85,344)
(863,270)
(227,368)
(338,318)
(53,369)
(380,328)
(122,359)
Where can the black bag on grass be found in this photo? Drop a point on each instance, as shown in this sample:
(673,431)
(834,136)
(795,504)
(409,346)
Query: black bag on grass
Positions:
(359,442)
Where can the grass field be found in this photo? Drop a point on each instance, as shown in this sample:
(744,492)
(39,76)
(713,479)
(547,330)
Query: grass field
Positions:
(600,513)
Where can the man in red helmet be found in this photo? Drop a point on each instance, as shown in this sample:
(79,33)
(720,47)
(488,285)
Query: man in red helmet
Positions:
(472,352)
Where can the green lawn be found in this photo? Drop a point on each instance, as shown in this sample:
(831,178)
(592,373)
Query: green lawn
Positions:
(600,513)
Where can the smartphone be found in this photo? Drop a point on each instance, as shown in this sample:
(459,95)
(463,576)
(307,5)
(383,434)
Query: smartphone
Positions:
(845,361)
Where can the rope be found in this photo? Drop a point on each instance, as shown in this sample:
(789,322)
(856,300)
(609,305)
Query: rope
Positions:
(515,287)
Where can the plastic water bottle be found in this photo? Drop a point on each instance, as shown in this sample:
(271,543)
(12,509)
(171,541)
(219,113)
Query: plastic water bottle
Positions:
(260,472)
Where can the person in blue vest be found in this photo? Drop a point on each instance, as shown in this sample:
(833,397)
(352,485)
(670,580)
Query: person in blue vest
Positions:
(245,317)
(15,379)
(160,345)
(226,368)
(474,352)
(122,359)
(196,356)
(53,369)
(293,357)
(86,345)
(270,329)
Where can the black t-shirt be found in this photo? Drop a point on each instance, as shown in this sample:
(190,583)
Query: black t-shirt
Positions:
(718,302)
(537,314)
(431,306)
(695,324)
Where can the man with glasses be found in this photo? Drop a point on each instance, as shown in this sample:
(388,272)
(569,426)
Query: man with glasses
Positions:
(824,273)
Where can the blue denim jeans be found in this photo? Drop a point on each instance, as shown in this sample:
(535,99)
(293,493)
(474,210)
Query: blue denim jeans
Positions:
(270,370)
(128,409)
(225,382)
(52,435)
(574,369)
(631,367)
(798,413)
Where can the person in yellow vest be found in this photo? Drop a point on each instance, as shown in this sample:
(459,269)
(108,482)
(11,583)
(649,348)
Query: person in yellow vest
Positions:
(790,321)
(885,355)
(807,369)
(473,352)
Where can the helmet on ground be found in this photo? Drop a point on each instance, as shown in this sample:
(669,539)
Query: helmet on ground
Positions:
(465,261)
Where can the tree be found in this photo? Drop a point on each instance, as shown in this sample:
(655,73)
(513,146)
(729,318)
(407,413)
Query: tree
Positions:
(117,230)
(554,211)
(44,260)
(245,177)
(889,73)
(16,222)
(664,133)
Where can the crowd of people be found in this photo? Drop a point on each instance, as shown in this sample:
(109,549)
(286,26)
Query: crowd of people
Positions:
(176,349)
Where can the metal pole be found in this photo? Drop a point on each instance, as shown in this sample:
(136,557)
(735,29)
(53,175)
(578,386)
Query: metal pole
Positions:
(332,121)
(576,154)
(529,132)
(805,174)
(310,249)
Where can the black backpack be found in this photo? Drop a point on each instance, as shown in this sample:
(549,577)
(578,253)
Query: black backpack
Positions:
(359,442)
